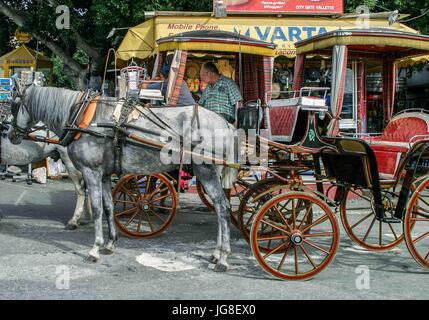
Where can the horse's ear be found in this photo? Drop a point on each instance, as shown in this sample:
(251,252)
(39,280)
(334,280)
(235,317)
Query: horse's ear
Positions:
(16,85)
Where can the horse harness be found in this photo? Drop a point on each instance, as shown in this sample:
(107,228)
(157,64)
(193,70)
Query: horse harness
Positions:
(82,115)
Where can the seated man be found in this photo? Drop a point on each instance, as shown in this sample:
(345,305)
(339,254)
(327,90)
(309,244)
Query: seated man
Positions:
(185,97)
(221,95)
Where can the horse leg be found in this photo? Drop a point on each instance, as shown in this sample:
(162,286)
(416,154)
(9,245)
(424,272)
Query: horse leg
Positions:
(209,178)
(108,211)
(88,209)
(77,180)
(80,203)
(93,181)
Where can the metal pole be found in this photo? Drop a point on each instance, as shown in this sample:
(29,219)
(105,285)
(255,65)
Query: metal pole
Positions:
(240,62)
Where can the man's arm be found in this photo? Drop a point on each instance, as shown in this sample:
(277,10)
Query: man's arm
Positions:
(203,98)
(235,94)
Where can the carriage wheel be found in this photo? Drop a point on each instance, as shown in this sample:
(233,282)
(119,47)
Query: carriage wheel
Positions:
(331,190)
(258,194)
(416,224)
(144,206)
(361,224)
(237,192)
(253,199)
(298,251)
(203,196)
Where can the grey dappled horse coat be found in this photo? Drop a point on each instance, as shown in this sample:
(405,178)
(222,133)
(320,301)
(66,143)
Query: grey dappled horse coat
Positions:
(94,156)
(30,152)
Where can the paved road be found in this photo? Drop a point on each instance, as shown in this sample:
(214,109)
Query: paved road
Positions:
(35,252)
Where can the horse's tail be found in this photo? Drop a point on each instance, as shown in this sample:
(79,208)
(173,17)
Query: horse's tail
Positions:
(230,175)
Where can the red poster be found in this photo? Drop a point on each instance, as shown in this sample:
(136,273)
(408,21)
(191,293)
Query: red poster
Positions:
(285,6)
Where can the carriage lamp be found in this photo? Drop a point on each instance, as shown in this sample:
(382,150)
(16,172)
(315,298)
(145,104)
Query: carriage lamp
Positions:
(393,17)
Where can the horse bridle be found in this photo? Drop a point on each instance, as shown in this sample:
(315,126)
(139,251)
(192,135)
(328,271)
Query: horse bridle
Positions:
(20,131)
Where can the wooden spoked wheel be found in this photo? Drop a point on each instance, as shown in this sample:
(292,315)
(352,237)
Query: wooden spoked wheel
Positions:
(258,194)
(416,224)
(203,196)
(144,206)
(235,196)
(299,251)
(363,227)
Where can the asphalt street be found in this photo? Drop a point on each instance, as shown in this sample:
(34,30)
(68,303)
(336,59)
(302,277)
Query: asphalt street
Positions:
(40,260)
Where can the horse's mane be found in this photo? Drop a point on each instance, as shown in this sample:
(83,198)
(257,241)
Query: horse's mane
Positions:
(51,105)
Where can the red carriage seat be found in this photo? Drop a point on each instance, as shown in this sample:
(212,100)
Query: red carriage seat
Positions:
(281,120)
(282,116)
(400,134)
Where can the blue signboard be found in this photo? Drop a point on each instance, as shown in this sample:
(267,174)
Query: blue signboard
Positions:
(6,86)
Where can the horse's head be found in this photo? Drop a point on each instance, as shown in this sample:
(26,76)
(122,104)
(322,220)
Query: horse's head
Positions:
(22,122)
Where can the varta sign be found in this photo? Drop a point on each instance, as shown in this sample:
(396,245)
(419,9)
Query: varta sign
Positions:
(284,31)
(281,34)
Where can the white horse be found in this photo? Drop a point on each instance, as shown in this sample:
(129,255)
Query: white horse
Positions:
(30,152)
(94,154)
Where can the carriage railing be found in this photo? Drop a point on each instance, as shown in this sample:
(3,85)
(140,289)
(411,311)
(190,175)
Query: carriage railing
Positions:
(411,142)
(369,136)
(314,89)
(412,110)
(303,92)
(152,94)
(357,135)
(305,98)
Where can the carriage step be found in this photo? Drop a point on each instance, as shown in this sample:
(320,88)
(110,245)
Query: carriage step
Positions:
(391,220)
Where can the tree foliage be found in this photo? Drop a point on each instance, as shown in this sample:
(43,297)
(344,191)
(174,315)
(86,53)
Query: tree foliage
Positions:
(92,20)
(414,8)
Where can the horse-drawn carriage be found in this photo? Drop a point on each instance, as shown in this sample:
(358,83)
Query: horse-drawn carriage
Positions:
(291,227)
(280,214)
(379,181)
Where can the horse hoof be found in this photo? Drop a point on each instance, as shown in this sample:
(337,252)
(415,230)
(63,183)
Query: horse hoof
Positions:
(106,251)
(84,222)
(91,259)
(220,267)
(213,259)
(70,226)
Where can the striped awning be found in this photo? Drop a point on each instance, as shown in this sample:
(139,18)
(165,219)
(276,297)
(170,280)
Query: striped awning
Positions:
(374,41)
(220,41)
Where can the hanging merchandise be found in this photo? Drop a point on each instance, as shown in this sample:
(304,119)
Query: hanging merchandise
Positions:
(284,77)
(194,85)
(313,75)
(27,78)
(226,69)
(192,70)
(276,90)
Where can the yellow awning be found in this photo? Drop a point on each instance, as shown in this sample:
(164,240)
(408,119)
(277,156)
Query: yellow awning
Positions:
(22,55)
(373,39)
(413,61)
(140,41)
(367,41)
(219,47)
